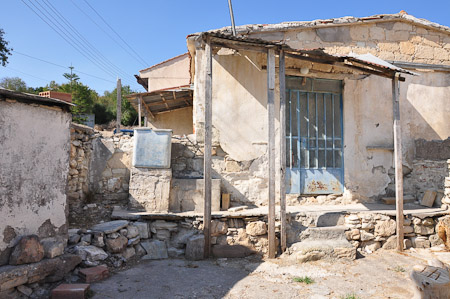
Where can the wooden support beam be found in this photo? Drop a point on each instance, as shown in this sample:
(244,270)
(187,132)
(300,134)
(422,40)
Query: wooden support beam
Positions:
(282,80)
(398,163)
(207,151)
(271,151)
(119,106)
(139,110)
(164,101)
(148,109)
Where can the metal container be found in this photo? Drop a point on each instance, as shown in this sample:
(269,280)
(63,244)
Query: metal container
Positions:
(152,148)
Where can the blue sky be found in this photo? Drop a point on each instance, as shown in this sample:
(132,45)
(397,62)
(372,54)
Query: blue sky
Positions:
(154,30)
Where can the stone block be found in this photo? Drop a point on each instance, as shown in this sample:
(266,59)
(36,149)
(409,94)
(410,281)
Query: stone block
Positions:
(180,238)
(257,228)
(162,234)
(187,195)
(25,290)
(407,48)
(90,253)
(231,251)
(232,166)
(397,35)
(423,229)
(117,245)
(195,248)
(353,234)
(441,54)
(359,33)
(424,52)
(155,249)
(134,241)
(385,228)
(149,189)
(53,247)
(98,240)
(366,236)
(70,291)
(218,228)
(307,35)
(175,252)
(28,250)
(163,225)
(143,230)
(377,33)
(428,198)
(334,34)
(93,274)
(420,242)
(110,227)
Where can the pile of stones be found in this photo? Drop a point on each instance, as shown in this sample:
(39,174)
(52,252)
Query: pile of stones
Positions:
(369,232)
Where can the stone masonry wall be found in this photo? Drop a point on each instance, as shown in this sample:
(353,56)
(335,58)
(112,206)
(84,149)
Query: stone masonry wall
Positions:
(400,41)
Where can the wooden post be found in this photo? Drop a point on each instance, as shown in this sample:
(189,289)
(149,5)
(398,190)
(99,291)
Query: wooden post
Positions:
(207,151)
(282,77)
(139,110)
(119,106)
(271,131)
(398,163)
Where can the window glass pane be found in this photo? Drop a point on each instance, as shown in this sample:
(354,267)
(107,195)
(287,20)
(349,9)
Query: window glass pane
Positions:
(294,113)
(329,159)
(337,116)
(324,85)
(303,157)
(321,158)
(337,143)
(320,116)
(303,115)
(288,114)
(312,115)
(338,159)
(329,143)
(329,115)
(294,153)
(312,159)
(288,153)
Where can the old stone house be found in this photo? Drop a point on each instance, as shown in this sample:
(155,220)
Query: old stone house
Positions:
(34,166)
(339,135)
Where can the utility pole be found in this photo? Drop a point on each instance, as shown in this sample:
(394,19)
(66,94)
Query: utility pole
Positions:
(71,76)
(119,105)
(232,18)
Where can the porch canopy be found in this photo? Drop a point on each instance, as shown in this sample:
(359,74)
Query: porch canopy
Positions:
(163,100)
(365,64)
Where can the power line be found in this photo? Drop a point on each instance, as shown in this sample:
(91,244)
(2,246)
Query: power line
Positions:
(58,14)
(61,66)
(70,39)
(26,74)
(78,40)
(109,35)
(104,21)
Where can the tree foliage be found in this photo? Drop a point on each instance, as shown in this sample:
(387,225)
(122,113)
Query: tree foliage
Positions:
(87,100)
(4,50)
(14,83)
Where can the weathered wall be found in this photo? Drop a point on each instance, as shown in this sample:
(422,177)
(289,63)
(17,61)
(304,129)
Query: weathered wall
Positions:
(240,115)
(171,73)
(180,121)
(34,165)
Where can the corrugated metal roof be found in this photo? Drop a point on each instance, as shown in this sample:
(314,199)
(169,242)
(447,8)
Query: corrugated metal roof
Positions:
(32,98)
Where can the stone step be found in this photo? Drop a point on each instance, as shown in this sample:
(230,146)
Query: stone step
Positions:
(311,250)
(324,233)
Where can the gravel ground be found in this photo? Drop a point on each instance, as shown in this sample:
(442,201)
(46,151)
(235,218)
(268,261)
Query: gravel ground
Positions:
(383,274)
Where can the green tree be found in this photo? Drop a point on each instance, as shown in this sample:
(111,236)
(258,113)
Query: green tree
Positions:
(109,100)
(4,50)
(13,83)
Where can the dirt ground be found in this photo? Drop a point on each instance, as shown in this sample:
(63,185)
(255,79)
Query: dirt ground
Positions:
(383,274)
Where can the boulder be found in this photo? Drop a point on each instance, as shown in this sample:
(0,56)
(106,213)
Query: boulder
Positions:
(117,245)
(129,253)
(162,224)
(218,228)
(385,228)
(97,240)
(132,232)
(110,227)
(155,249)
(28,250)
(195,248)
(143,230)
(391,243)
(90,253)
(53,247)
(420,242)
(423,229)
(365,236)
(256,228)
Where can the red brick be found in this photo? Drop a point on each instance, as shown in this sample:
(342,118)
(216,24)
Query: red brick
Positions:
(94,274)
(70,291)
(66,97)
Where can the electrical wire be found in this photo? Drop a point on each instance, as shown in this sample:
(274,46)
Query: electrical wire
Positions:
(104,21)
(26,74)
(61,66)
(70,40)
(84,39)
